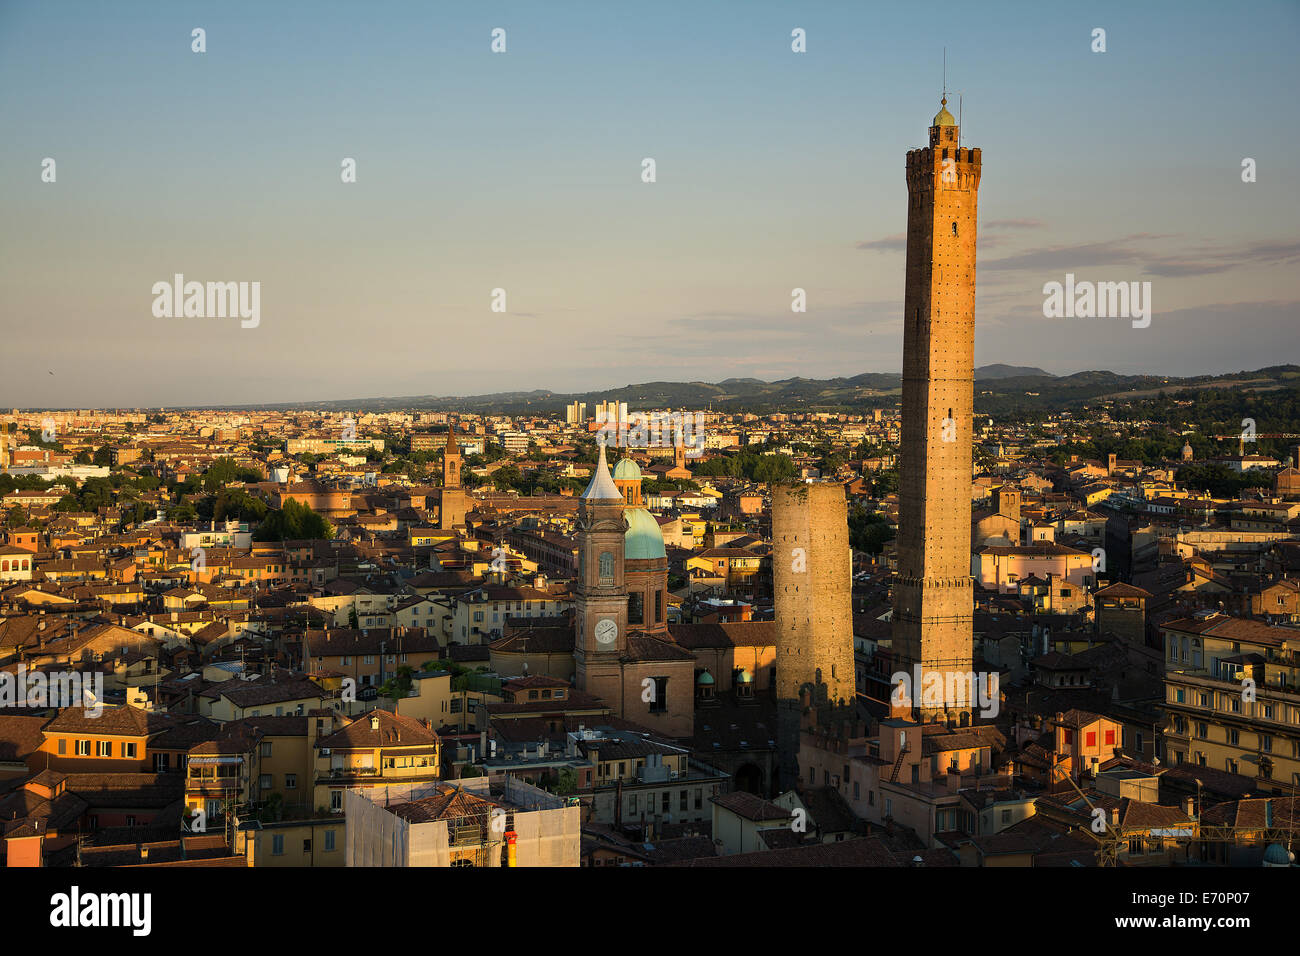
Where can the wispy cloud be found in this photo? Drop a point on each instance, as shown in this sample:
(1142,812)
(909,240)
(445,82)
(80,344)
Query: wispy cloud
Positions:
(894,243)
(1134,249)
(1015,224)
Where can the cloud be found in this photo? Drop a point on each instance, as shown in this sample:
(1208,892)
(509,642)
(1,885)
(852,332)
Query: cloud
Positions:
(1015,224)
(1130,250)
(894,243)
(1066,257)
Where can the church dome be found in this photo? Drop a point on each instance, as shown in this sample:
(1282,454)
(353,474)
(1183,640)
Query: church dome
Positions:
(1277,855)
(705,680)
(627,470)
(643,541)
(744,677)
(943,117)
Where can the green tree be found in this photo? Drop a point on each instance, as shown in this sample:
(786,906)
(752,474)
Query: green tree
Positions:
(507,477)
(869,532)
(293,522)
(182,512)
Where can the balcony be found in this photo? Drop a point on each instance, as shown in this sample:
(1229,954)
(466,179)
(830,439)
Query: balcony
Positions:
(338,772)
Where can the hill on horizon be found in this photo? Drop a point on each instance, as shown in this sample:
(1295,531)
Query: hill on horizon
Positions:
(999,388)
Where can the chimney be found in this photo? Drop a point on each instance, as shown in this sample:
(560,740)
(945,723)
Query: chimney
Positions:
(1189,807)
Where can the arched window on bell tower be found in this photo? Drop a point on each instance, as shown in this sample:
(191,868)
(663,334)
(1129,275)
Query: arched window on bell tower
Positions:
(606,568)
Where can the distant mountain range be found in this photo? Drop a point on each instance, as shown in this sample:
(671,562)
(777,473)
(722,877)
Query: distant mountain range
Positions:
(997,387)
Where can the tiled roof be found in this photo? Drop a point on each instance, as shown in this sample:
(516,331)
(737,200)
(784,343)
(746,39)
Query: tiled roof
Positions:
(750,807)
(642,647)
(447,804)
(869,851)
(733,634)
(112,721)
(393,731)
(337,641)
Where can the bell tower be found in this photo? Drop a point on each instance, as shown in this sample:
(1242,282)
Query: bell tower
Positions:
(600,592)
(451,460)
(933,590)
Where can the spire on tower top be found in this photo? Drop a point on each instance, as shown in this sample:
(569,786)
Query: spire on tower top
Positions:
(602,487)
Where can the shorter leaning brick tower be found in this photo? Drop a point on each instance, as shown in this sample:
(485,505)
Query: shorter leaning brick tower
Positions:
(812,572)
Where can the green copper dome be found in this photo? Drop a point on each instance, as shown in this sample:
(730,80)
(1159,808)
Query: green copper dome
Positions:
(705,679)
(627,470)
(943,117)
(1277,855)
(643,541)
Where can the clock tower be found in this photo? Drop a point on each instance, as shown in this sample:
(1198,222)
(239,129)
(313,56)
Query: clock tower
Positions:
(600,593)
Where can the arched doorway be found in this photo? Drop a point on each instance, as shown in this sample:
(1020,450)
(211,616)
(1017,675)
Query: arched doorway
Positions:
(749,777)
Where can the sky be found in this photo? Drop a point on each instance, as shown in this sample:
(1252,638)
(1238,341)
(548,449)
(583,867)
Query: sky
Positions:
(522,171)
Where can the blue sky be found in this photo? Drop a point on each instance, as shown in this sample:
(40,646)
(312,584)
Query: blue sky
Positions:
(521,171)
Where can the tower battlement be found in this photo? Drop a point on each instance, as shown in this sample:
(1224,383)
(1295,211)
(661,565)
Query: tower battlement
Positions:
(931,170)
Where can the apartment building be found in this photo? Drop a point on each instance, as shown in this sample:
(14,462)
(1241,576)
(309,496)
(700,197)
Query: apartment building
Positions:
(1232,698)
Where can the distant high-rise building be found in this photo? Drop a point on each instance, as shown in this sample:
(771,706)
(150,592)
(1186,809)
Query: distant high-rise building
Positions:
(609,412)
(575,413)
(933,592)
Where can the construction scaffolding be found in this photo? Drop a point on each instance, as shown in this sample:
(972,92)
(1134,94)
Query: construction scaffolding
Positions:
(1280,825)
(461,824)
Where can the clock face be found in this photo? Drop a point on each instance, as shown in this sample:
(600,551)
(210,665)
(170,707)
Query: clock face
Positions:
(606,631)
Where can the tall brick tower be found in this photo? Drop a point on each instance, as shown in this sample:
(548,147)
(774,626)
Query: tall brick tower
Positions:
(933,592)
(812,571)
